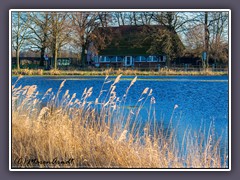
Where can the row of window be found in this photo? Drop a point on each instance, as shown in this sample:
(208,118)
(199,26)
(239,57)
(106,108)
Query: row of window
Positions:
(64,62)
(133,58)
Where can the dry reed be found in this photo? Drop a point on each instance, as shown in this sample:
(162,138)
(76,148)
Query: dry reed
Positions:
(110,71)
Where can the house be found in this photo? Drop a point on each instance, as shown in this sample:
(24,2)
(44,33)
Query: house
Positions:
(128,48)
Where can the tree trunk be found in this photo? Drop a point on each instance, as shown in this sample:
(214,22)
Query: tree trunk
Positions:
(83,55)
(134,18)
(203,64)
(55,58)
(122,19)
(42,57)
(118,19)
(206,30)
(168,62)
(18,59)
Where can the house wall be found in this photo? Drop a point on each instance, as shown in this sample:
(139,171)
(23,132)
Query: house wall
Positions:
(133,61)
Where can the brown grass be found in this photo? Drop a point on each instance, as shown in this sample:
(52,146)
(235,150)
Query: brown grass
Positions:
(110,71)
(51,135)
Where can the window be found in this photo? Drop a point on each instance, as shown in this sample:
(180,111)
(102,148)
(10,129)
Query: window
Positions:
(143,58)
(67,62)
(106,59)
(119,59)
(113,58)
(155,59)
(137,59)
(164,59)
(64,62)
(102,59)
(59,62)
(95,58)
(149,58)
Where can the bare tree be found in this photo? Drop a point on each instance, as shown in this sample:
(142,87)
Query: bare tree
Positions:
(120,18)
(20,32)
(218,45)
(146,17)
(209,34)
(164,42)
(40,32)
(84,23)
(60,31)
(215,25)
(206,35)
(195,38)
(105,18)
(195,42)
(175,24)
(132,18)
(175,21)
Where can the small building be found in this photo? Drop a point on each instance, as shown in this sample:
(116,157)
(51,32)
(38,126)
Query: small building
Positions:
(126,49)
(48,62)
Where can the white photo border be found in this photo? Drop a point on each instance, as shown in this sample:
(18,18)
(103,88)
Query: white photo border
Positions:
(120,10)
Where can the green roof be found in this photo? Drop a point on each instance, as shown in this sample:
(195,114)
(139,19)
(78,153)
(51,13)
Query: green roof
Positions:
(133,40)
(124,51)
(126,40)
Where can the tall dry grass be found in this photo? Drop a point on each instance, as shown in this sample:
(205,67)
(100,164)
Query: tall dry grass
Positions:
(68,132)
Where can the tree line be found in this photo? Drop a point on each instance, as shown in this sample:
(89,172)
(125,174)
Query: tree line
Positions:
(75,31)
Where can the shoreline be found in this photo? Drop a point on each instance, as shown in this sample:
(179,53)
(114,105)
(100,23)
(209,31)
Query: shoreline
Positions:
(110,72)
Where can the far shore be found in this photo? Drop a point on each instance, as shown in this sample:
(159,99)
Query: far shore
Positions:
(128,72)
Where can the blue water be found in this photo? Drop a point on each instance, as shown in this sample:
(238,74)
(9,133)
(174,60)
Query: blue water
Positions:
(202,100)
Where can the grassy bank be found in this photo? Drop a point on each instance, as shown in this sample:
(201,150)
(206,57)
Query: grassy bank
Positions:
(162,72)
(77,133)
